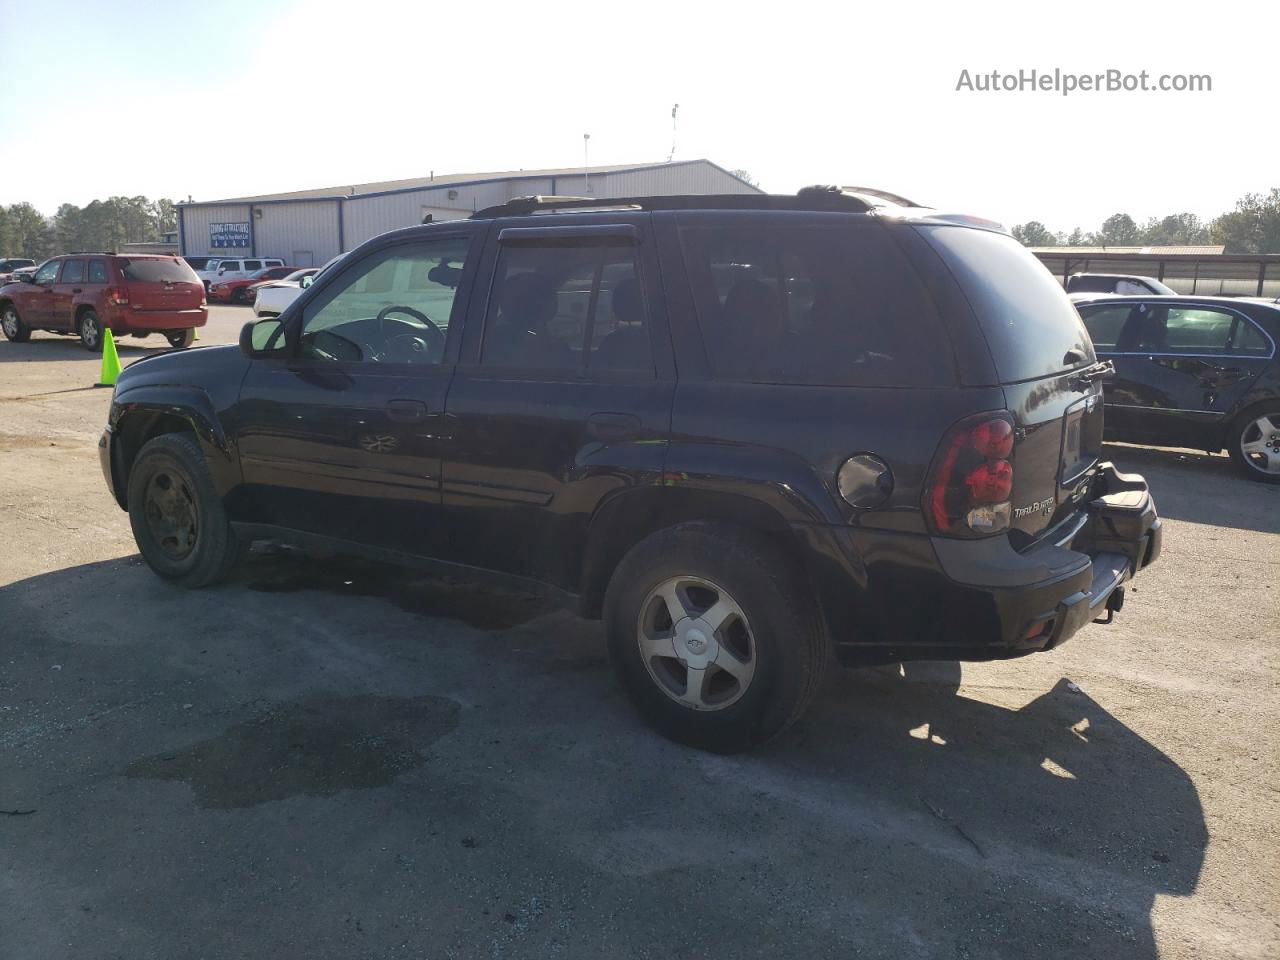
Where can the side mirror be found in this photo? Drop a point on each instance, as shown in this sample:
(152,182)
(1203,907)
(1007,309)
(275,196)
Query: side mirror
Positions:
(262,338)
(307,281)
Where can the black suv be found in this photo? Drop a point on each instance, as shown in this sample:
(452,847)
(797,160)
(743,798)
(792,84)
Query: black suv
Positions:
(746,431)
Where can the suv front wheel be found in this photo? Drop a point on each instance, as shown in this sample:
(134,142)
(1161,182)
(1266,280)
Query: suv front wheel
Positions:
(14,328)
(177,517)
(713,636)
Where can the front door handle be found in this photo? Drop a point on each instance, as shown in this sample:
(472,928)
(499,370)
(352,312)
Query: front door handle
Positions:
(406,411)
(612,426)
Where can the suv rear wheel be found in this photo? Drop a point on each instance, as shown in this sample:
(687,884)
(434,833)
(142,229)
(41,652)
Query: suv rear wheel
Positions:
(181,339)
(1255,444)
(14,328)
(713,637)
(177,517)
(90,329)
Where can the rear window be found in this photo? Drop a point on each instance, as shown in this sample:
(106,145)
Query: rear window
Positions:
(157,271)
(1029,323)
(814,304)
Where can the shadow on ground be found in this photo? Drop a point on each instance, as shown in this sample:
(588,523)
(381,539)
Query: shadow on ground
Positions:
(1201,488)
(897,819)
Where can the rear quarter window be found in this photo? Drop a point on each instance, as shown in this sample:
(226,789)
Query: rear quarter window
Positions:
(1029,324)
(828,304)
(157,271)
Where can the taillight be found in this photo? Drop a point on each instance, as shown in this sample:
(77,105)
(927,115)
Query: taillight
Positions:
(118,295)
(967,494)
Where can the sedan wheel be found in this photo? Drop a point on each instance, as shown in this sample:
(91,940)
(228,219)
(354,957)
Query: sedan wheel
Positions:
(1258,442)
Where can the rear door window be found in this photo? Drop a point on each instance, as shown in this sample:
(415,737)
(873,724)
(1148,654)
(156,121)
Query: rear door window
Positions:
(813,304)
(568,306)
(1105,325)
(253,265)
(97,271)
(1031,328)
(73,271)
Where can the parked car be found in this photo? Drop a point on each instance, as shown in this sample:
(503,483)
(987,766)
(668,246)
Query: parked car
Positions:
(270,299)
(743,431)
(234,268)
(9,264)
(237,290)
(1198,372)
(1089,285)
(80,294)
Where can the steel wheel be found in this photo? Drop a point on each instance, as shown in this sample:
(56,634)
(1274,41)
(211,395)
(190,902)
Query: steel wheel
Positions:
(696,643)
(171,515)
(1260,444)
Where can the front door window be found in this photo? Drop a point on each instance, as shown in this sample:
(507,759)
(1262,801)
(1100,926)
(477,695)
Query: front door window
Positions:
(394,306)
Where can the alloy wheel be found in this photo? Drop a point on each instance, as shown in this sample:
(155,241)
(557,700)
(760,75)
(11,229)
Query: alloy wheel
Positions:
(1260,443)
(90,333)
(10,323)
(696,643)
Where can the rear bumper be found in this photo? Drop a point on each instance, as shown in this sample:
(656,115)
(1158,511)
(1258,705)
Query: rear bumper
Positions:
(982,600)
(130,320)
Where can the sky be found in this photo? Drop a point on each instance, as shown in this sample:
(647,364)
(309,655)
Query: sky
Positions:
(219,99)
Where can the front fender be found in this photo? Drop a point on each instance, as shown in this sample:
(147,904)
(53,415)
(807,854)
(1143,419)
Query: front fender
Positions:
(145,411)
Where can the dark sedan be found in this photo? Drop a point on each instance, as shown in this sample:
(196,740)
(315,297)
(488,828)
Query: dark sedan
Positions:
(1198,372)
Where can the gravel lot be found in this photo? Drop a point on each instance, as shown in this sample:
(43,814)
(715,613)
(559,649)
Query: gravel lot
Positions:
(340,760)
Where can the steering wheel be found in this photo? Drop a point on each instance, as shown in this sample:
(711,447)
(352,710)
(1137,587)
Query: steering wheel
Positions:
(420,350)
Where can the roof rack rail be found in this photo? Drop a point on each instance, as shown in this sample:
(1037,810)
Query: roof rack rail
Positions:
(808,199)
(862,193)
(89,253)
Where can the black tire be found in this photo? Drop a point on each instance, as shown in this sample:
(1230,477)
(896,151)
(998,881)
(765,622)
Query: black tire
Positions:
(238,295)
(89,329)
(181,339)
(191,544)
(788,646)
(1244,429)
(12,325)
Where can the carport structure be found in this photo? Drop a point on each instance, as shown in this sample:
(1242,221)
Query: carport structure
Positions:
(1204,271)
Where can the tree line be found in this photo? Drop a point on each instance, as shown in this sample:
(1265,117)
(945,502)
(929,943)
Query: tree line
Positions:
(1252,227)
(101,225)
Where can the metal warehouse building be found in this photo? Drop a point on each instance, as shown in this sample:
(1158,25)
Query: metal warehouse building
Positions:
(308,227)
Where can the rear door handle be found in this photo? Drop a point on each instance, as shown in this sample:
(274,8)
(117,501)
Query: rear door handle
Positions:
(612,426)
(406,411)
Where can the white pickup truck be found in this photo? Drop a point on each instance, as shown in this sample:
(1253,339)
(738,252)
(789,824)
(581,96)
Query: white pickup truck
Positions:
(270,299)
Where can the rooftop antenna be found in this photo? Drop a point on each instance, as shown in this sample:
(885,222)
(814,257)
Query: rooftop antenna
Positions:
(673,132)
(586,174)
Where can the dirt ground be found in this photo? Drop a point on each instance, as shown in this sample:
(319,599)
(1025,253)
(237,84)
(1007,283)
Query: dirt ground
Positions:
(340,760)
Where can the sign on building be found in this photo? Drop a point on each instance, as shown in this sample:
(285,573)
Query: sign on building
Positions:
(222,235)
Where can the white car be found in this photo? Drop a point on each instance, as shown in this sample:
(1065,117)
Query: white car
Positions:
(272,298)
(234,268)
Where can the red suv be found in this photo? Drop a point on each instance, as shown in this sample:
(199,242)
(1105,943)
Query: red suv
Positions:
(80,294)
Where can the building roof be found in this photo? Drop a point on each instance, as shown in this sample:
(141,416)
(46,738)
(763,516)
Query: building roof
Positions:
(1197,250)
(449,179)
